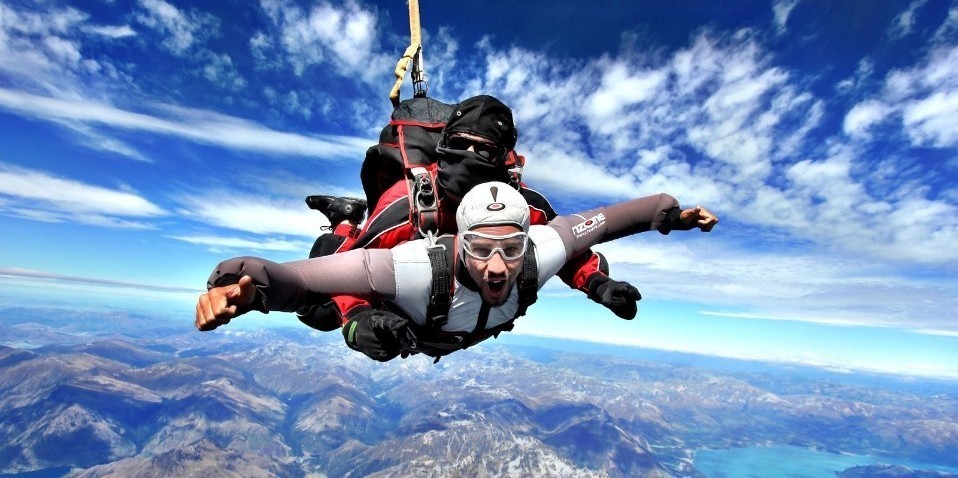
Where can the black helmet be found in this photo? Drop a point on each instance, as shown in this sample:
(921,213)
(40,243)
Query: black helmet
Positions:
(484,116)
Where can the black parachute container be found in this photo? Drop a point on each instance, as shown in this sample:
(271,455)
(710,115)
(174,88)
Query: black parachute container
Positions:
(407,142)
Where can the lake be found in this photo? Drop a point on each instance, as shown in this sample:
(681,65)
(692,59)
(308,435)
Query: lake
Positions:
(789,461)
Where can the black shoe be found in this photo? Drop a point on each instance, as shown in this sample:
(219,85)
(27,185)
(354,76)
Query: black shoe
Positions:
(338,209)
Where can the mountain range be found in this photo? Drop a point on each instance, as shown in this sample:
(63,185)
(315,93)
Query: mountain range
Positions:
(86,394)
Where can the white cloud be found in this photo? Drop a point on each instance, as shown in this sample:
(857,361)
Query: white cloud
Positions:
(182,29)
(184,34)
(927,96)
(905,21)
(219,69)
(344,36)
(938,71)
(718,123)
(620,91)
(865,115)
(720,98)
(40,196)
(932,120)
(782,9)
(231,244)
(35,274)
(253,213)
(438,49)
(797,284)
(32,45)
(949,27)
(57,21)
(63,51)
(553,168)
(194,125)
(110,31)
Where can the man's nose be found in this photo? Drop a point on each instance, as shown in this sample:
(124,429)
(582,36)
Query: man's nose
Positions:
(496,263)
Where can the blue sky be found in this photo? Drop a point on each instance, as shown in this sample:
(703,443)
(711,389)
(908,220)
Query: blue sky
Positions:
(143,141)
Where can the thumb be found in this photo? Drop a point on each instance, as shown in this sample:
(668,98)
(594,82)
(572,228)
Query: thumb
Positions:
(688,215)
(243,293)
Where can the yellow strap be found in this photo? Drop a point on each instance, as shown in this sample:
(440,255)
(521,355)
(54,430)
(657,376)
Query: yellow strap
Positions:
(414,37)
(415,43)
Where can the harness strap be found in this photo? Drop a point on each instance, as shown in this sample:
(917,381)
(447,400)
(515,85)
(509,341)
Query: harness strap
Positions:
(437,311)
(528,282)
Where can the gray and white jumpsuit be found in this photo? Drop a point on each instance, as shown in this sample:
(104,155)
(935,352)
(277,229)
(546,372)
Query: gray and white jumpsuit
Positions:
(403,275)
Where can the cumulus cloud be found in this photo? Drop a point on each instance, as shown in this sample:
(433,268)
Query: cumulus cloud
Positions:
(182,30)
(931,120)
(184,34)
(926,96)
(865,115)
(35,46)
(219,69)
(42,196)
(48,51)
(719,123)
(719,98)
(341,36)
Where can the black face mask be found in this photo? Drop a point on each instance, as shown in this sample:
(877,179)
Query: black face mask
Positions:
(460,170)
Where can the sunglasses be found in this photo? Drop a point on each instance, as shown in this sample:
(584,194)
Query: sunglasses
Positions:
(488,151)
(483,246)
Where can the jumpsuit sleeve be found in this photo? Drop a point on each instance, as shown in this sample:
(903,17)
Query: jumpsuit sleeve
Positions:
(286,286)
(387,226)
(578,270)
(581,231)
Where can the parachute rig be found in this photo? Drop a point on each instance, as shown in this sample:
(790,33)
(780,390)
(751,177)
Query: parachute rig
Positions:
(405,152)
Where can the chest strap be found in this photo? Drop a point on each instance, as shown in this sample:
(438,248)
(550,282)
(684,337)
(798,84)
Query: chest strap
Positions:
(441,255)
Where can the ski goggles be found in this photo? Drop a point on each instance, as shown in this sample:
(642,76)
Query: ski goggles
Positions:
(488,151)
(483,246)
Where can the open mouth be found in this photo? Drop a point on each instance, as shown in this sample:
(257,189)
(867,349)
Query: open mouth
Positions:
(496,286)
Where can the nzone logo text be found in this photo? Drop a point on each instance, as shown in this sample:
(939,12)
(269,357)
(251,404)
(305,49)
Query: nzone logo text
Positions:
(588,225)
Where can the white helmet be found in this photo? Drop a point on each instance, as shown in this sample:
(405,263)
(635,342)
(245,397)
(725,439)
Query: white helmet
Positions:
(492,204)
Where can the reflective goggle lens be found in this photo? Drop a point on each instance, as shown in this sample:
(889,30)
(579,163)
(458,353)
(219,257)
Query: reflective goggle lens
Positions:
(487,151)
(483,246)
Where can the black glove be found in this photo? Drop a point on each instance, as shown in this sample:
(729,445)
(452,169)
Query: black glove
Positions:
(619,297)
(380,334)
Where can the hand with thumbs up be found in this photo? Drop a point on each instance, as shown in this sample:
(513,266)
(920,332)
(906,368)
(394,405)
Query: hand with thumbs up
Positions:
(219,305)
(699,217)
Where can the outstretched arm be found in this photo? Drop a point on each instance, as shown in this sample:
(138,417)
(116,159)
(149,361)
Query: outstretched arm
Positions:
(242,284)
(589,271)
(660,212)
